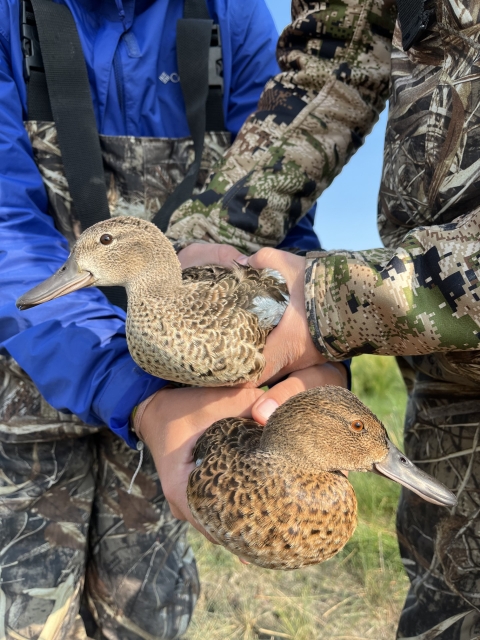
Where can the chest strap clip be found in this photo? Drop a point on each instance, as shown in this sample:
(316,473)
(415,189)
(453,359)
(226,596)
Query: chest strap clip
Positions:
(32,55)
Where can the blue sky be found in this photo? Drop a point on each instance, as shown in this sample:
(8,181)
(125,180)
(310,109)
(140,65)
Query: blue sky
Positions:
(347,211)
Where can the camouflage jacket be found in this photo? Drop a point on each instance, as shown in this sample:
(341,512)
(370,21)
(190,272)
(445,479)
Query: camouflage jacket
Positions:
(339,61)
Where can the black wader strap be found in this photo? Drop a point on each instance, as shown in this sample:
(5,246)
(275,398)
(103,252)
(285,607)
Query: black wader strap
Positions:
(72,110)
(193,44)
(38,102)
(414,20)
(197,9)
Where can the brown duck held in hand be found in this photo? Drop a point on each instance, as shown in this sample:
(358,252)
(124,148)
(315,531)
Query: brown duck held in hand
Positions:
(276,497)
(207,327)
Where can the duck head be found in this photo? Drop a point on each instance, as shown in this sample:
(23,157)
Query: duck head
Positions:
(330,429)
(122,251)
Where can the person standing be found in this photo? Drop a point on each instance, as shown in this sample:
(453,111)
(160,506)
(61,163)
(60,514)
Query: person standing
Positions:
(416,297)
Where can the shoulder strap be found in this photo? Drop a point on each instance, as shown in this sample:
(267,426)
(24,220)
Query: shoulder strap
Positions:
(197,10)
(194,34)
(72,109)
(38,102)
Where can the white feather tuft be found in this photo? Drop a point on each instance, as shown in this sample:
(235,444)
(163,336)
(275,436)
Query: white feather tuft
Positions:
(273,273)
(268,311)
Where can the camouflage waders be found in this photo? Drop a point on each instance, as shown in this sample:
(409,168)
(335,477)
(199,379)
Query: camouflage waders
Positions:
(69,531)
(440,548)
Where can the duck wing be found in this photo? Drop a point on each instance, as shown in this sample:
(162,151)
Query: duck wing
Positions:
(260,507)
(209,273)
(225,435)
(263,292)
(214,485)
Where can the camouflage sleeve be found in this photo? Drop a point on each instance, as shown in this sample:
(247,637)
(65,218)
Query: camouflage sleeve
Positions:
(416,299)
(335,61)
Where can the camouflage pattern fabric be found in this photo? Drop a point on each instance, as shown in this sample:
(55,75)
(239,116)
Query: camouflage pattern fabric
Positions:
(311,118)
(68,529)
(140,173)
(417,298)
(420,295)
(432,138)
(441,548)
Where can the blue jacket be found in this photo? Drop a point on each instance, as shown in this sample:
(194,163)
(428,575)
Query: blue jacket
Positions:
(74,348)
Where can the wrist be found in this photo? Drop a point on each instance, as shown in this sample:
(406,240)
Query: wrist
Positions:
(137,419)
(343,372)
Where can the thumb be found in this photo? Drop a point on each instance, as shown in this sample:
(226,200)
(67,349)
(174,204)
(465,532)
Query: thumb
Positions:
(317,376)
(274,397)
(266,258)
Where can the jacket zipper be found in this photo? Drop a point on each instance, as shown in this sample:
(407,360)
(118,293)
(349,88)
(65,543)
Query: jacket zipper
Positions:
(118,68)
(119,82)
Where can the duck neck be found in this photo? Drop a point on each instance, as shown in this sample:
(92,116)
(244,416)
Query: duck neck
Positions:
(162,276)
(296,435)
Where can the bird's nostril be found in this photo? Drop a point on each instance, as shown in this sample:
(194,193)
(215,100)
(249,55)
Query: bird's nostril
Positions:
(403,460)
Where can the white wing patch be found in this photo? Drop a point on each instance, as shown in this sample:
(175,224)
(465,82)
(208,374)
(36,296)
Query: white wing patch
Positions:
(273,273)
(268,311)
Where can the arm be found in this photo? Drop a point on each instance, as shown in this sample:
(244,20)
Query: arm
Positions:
(416,299)
(74,349)
(310,120)
(419,298)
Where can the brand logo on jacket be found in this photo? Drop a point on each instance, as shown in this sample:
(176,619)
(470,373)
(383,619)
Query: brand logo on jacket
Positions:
(166,78)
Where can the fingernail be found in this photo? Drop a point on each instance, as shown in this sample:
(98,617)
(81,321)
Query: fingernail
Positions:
(242,260)
(266,408)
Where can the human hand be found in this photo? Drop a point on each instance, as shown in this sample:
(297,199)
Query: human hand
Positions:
(200,254)
(333,373)
(289,346)
(171,425)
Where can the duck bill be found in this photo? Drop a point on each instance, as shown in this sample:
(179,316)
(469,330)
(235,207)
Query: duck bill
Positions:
(67,279)
(399,468)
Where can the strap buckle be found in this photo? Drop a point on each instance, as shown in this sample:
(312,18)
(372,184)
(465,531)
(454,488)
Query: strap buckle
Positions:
(215,60)
(32,55)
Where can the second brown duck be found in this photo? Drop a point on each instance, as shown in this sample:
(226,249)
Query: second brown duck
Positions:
(276,496)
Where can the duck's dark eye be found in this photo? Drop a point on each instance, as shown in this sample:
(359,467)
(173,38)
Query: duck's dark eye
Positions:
(357,426)
(106,239)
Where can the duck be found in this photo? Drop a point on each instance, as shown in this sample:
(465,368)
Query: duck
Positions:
(276,496)
(205,327)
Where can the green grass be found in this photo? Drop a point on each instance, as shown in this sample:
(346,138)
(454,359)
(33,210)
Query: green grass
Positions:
(358,594)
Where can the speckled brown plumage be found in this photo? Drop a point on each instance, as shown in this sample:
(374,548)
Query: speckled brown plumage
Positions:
(275,496)
(206,328)
(268,513)
(206,333)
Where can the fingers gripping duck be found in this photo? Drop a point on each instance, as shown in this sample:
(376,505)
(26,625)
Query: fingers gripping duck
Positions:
(275,496)
(207,327)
